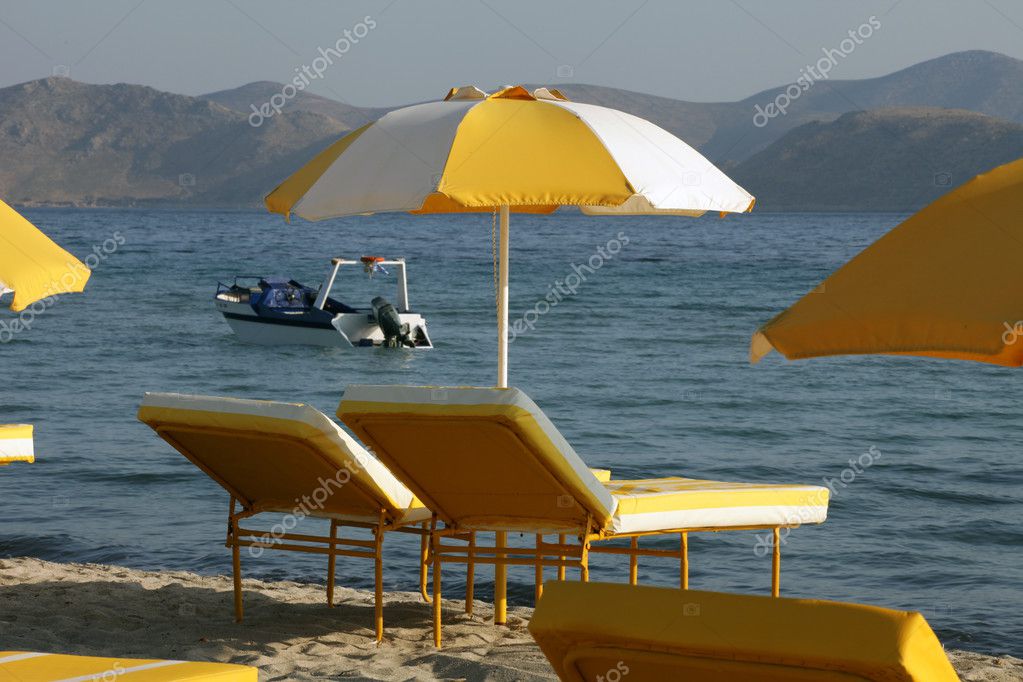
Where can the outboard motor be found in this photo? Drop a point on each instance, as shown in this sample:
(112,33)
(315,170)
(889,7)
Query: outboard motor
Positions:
(396,334)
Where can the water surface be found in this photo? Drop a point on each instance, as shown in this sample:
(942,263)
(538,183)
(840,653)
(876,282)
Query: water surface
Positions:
(644,369)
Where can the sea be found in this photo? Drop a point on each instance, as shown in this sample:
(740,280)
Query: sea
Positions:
(631,333)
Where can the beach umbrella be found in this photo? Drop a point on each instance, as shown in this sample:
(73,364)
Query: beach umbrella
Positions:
(32,265)
(513,151)
(946,283)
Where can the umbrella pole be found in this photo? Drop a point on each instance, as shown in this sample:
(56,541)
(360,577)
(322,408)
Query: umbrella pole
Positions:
(500,539)
(502,304)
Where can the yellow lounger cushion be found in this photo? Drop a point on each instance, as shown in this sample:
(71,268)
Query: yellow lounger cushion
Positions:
(21,666)
(271,455)
(479,457)
(16,443)
(688,503)
(649,634)
(490,458)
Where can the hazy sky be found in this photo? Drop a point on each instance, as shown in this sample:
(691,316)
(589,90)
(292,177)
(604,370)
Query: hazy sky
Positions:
(698,50)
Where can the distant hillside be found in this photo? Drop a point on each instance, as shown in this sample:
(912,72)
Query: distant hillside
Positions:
(243,98)
(65,142)
(883,160)
(985,82)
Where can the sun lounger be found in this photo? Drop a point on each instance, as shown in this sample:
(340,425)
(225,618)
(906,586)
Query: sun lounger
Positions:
(16,443)
(647,634)
(18,666)
(290,458)
(490,460)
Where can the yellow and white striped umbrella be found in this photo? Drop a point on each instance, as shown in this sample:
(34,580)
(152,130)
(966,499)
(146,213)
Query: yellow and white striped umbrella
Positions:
(532,151)
(32,265)
(16,443)
(516,151)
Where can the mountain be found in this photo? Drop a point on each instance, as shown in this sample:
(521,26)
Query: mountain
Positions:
(65,142)
(243,99)
(881,160)
(726,132)
(985,82)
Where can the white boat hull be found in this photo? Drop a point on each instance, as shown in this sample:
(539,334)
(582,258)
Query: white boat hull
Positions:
(347,329)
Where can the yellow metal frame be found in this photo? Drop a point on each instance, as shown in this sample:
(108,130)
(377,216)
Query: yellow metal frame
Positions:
(561,555)
(332,545)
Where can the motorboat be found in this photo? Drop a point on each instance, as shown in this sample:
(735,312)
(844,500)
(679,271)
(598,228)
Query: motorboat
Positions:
(279,310)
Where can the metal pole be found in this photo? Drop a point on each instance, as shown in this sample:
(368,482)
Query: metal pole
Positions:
(501,570)
(502,304)
(500,579)
(403,305)
(321,298)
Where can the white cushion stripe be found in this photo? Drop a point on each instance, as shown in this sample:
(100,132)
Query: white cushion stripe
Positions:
(16,447)
(120,672)
(21,657)
(720,517)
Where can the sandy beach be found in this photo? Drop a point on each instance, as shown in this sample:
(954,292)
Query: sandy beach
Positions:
(288,633)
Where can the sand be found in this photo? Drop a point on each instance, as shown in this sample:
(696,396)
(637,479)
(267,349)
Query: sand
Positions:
(288,632)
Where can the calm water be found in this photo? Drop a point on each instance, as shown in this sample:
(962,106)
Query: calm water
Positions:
(645,371)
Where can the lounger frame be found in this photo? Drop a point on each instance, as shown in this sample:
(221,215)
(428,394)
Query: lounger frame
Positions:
(561,555)
(332,545)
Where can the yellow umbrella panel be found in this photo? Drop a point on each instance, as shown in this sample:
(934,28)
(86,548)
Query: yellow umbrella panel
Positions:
(946,283)
(32,265)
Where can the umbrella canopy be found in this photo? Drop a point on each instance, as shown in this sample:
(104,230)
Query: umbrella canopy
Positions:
(531,151)
(32,265)
(946,283)
(512,151)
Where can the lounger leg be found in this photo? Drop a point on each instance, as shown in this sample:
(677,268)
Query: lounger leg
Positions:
(776,565)
(684,561)
(378,610)
(331,564)
(424,561)
(584,562)
(500,580)
(436,590)
(236,563)
(634,563)
(236,558)
(470,574)
(561,568)
(539,570)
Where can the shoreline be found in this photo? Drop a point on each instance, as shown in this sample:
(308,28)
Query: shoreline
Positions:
(288,633)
